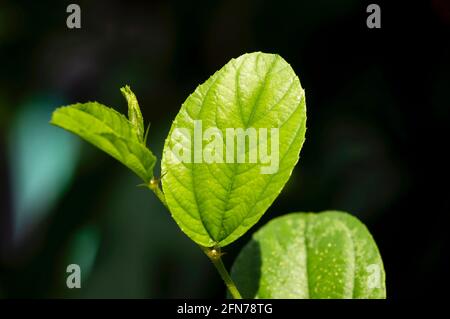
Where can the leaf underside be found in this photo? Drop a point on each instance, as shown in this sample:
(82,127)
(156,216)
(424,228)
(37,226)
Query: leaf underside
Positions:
(110,131)
(315,256)
(216,203)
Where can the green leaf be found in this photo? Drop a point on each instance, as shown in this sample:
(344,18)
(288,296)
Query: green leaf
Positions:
(134,112)
(216,203)
(306,255)
(110,131)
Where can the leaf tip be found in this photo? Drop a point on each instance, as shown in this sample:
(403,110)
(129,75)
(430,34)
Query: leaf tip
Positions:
(134,111)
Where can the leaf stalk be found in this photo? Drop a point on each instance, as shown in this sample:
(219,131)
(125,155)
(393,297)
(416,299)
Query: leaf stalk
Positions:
(214,253)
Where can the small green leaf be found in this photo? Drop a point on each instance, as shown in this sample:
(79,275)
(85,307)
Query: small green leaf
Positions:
(306,255)
(215,202)
(134,112)
(110,131)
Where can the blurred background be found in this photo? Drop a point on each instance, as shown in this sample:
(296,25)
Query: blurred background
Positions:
(378,111)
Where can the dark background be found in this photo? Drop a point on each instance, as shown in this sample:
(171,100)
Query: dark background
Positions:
(378,111)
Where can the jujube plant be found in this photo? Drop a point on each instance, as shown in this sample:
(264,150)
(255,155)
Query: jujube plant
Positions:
(218,179)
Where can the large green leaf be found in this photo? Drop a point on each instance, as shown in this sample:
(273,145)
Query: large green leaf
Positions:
(111,132)
(306,255)
(215,203)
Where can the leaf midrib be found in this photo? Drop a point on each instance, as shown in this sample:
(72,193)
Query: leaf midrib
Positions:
(272,176)
(254,107)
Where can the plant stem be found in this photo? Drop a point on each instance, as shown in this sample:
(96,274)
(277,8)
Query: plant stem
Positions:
(154,187)
(214,254)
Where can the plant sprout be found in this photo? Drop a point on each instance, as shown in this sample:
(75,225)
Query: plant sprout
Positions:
(230,151)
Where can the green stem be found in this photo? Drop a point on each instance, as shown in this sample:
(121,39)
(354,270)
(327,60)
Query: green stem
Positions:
(159,193)
(213,253)
(215,256)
